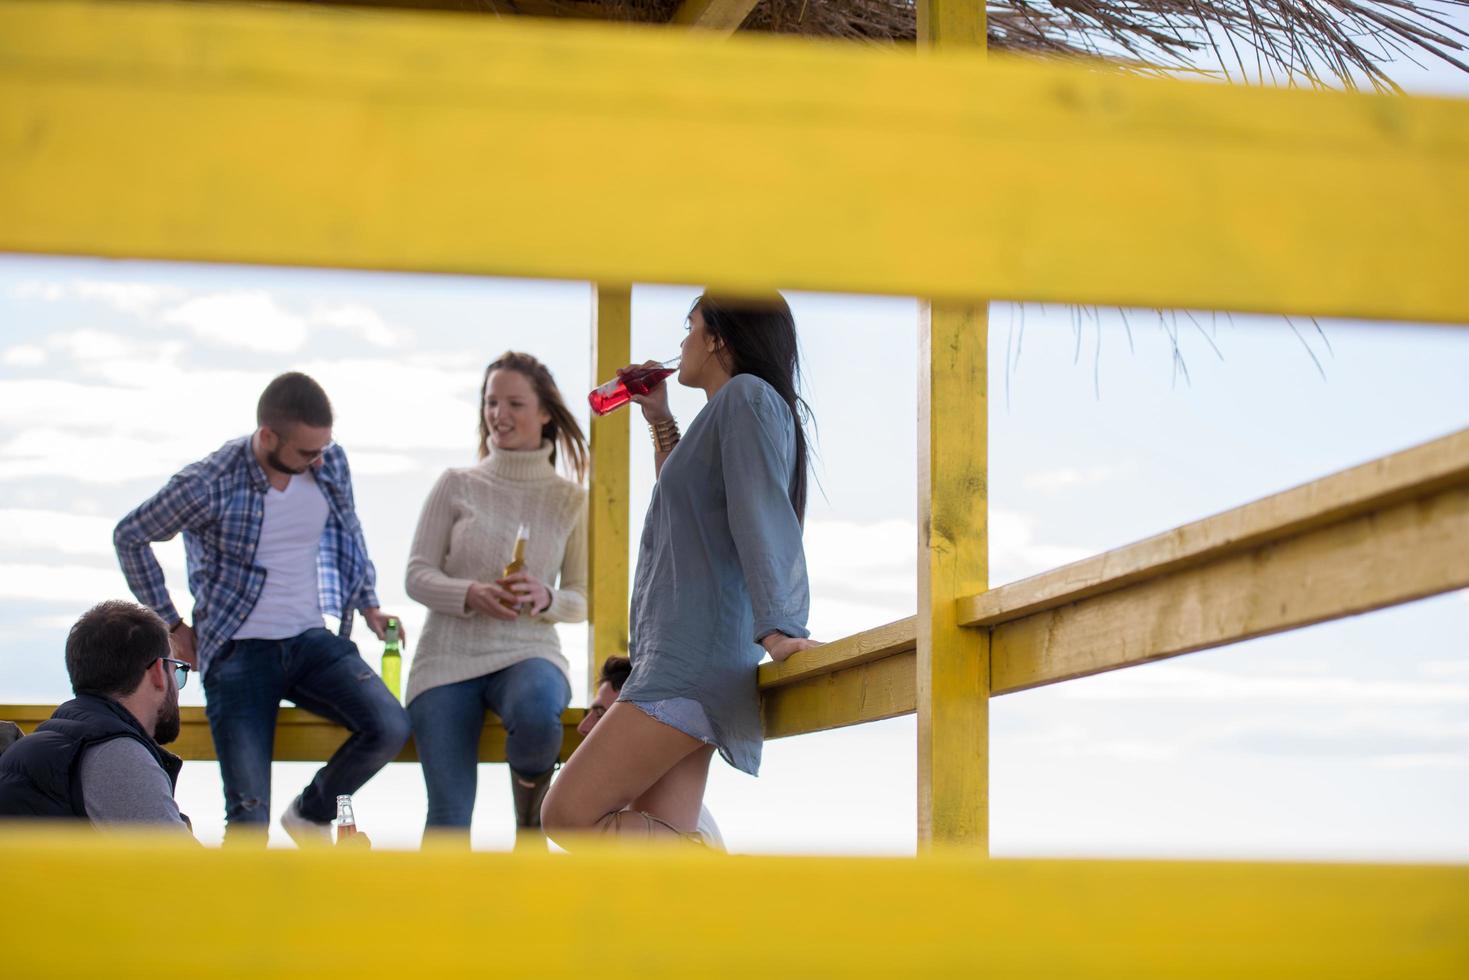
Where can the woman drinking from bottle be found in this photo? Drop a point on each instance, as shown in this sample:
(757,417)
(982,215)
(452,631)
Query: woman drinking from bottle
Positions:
(720,582)
(490,642)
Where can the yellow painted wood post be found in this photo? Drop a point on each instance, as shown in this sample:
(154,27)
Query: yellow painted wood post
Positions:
(953,542)
(607,531)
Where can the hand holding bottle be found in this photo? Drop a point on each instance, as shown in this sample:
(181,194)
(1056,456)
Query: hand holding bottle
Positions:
(534,595)
(492,599)
(654,401)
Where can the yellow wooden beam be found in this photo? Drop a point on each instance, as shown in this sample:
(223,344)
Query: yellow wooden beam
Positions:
(867,692)
(461,144)
(1386,557)
(1410,474)
(300,736)
(878,643)
(1388,531)
(394,914)
(951,23)
(724,16)
(607,500)
(953,535)
(953,561)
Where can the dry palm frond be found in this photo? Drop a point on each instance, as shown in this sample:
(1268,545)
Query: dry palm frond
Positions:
(1313,42)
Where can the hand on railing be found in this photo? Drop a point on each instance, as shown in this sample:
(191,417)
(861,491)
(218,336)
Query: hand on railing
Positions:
(780,646)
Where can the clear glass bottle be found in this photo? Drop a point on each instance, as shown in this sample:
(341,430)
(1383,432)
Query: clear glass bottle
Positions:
(346,821)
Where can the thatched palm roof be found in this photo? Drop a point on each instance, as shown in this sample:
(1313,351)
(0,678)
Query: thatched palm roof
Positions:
(1346,42)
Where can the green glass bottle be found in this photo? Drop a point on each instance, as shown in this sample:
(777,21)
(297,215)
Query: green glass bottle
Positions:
(393,659)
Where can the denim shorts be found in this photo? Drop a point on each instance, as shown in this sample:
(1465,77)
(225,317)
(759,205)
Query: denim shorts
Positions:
(685,714)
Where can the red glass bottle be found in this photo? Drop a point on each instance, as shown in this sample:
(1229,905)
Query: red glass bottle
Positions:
(619,391)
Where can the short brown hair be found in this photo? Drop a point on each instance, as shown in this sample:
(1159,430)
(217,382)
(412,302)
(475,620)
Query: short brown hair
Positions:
(112,646)
(615,671)
(292,399)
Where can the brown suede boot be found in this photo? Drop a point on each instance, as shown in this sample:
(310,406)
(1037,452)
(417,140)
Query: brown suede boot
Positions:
(528,799)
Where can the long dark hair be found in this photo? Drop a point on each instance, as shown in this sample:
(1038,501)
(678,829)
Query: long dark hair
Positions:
(759,335)
(562,430)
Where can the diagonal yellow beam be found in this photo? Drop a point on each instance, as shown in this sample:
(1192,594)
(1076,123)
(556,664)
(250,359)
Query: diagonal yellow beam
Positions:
(459,144)
(725,16)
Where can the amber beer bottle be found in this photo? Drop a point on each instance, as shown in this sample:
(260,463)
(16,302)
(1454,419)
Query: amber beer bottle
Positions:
(347,823)
(517,560)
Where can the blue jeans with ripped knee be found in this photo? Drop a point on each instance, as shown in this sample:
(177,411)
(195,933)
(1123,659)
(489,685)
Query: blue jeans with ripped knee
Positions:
(529,697)
(324,674)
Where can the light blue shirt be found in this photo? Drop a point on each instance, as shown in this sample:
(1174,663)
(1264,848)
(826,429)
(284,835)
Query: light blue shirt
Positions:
(720,565)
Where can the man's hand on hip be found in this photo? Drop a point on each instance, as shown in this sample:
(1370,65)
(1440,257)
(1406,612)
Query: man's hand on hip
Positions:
(181,638)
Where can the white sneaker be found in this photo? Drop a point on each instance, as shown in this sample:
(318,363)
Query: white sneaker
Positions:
(305,832)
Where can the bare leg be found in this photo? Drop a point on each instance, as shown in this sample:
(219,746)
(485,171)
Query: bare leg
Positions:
(677,797)
(623,758)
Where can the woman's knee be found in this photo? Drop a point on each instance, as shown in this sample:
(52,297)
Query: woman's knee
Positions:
(560,812)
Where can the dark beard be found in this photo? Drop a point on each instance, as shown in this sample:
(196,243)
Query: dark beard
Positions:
(166,728)
(277,464)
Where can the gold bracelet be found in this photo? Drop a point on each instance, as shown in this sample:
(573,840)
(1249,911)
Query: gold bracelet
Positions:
(665,435)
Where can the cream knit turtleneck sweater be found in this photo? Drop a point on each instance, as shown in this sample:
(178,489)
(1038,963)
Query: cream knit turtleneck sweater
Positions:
(466,534)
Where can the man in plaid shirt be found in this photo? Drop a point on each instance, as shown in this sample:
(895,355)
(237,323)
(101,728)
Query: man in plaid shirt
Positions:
(272,543)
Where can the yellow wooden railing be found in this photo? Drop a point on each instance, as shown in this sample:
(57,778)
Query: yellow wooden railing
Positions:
(443,143)
(301,736)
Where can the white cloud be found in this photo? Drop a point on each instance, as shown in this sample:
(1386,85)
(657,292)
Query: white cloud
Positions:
(136,298)
(361,321)
(58,531)
(1183,684)
(61,583)
(94,345)
(1053,481)
(1448,669)
(35,289)
(246,319)
(99,458)
(1015,553)
(24,355)
(865,574)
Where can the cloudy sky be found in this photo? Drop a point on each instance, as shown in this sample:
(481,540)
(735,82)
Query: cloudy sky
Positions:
(1347,740)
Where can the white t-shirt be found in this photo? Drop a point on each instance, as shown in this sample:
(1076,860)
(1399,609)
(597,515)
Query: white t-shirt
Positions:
(290,537)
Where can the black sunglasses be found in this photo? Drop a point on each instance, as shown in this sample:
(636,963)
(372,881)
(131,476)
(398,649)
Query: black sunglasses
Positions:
(180,671)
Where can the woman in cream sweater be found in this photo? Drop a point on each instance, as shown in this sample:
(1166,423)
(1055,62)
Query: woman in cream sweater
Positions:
(490,643)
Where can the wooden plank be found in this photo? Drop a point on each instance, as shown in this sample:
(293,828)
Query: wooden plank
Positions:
(301,736)
(1396,554)
(946,23)
(608,491)
(869,692)
(850,651)
(460,144)
(953,523)
(938,916)
(953,561)
(724,16)
(1390,479)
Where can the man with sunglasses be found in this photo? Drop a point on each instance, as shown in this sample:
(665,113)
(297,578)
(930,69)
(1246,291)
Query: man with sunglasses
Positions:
(273,545)
(100,756)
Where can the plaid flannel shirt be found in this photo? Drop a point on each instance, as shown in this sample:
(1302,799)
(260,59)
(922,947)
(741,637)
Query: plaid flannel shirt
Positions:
(219,505)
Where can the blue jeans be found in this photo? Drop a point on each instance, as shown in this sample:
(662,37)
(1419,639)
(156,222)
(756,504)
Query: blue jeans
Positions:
(529,697)
(324,674)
